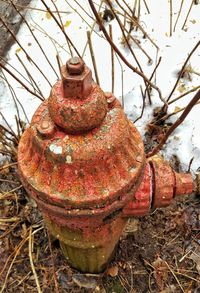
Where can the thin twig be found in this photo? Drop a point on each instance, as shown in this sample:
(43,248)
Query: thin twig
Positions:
(7,194)
(9,220)
(53,41)
(122,79)
(30,246)
(167,116)
(187,14)
(32,81)
(8,131)
(53,264)
(179,13)
(134,8)
(138,44)
(182,69)
(11,130)
(93,57)
(170,26)
(147,8)
(59,65)
(92,29)
(112,61)
(82,8)
(18,72)
(151,77)
(9,230)
(79,14)
(63,28)
(15,98)
(124,35)
(138,17)
(173,273)
(143,105)
(12,94)
(130,10)
(184,94)
(190,164)
(14,255)
(18,126)
(21,281)
(36,9)
(9,181)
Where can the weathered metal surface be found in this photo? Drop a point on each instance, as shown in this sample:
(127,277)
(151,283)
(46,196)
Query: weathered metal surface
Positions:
(142,200)
(168,183)
(183,184)
(164,183)
(159,186)
(81,171)
(76,103)
(88,248)
(82,161)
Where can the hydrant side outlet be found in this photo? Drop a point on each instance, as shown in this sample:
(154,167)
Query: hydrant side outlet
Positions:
(159,186)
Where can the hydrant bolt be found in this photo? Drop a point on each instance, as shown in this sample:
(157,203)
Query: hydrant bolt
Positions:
(45,129)
(75,66)
(76,79)
(45,124)
(74,60)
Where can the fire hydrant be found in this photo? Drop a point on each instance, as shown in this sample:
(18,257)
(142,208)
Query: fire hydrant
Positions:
(83,162)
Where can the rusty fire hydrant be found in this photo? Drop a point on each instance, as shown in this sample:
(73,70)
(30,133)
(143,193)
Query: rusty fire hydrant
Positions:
(83,162)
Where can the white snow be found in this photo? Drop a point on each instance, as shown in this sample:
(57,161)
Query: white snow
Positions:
(185,141)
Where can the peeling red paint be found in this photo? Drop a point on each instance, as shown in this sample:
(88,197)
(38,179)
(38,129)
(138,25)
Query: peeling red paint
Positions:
(159,186)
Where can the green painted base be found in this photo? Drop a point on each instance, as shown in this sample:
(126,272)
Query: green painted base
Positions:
(89,260)
(88,249)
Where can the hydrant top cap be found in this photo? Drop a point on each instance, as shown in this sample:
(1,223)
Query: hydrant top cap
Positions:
(76,103)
